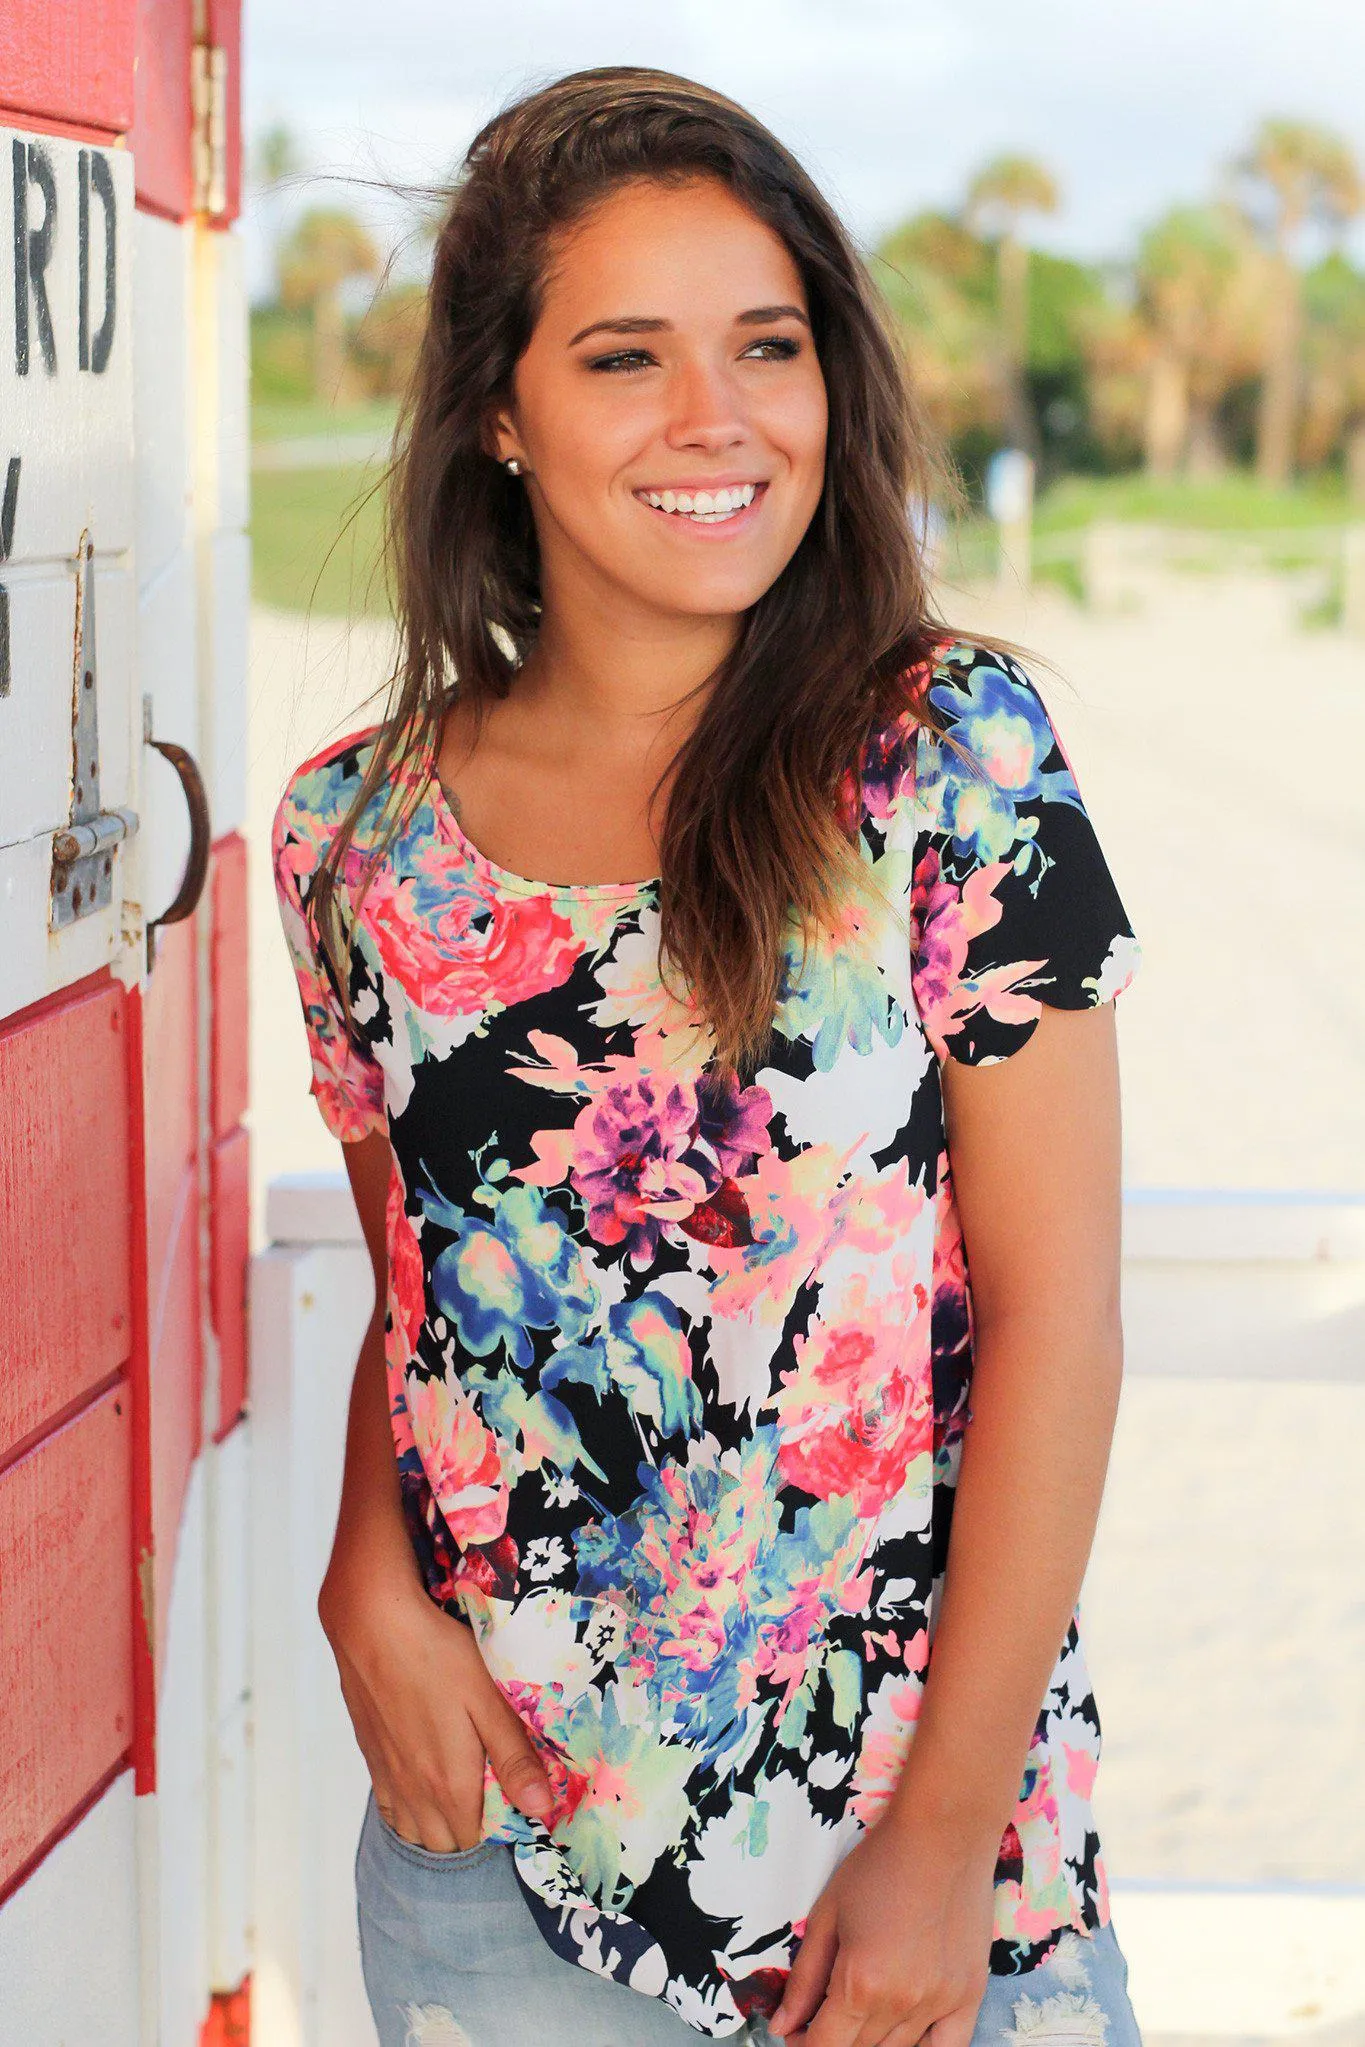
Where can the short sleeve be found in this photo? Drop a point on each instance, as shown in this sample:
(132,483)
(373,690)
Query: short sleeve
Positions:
(348,1082)
(1013,903)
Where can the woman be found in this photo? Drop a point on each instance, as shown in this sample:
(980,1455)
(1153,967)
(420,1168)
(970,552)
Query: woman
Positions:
(688,982)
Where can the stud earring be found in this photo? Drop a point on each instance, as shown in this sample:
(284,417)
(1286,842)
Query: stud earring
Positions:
(512,466)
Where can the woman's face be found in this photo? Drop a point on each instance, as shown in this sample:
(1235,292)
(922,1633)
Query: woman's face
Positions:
(699,373)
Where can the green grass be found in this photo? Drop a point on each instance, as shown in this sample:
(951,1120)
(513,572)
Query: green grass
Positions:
(1065,574)
(308,552)
(1225,504)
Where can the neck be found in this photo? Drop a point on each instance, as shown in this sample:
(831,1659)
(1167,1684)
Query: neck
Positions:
(641,678)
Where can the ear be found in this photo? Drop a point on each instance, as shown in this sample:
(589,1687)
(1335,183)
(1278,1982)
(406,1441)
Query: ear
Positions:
(498,437)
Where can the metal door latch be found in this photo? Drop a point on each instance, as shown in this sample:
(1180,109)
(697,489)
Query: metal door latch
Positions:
(82,853)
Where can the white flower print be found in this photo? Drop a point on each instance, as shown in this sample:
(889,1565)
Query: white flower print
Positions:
(545,1557)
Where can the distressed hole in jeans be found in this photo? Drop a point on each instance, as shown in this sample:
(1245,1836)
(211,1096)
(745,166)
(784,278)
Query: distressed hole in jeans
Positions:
(431,2025)
(1070,2017)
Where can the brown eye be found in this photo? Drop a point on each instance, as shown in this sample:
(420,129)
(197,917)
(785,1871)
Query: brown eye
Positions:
(620,356)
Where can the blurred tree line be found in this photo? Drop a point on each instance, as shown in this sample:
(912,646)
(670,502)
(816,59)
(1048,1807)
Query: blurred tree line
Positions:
(1233,336)
(338,329)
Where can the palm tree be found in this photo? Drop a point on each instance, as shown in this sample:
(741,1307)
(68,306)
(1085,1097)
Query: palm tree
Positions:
(936,276)
(998,196)
(328,247)
(1293,174)
(1334,349)
(1201,315)
(276,161)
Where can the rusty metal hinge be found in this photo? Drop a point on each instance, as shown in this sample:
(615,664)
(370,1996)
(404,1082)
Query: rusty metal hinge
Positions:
(208,99)
(82,852)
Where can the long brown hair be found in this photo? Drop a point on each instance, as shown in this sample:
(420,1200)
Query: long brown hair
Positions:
(756,836)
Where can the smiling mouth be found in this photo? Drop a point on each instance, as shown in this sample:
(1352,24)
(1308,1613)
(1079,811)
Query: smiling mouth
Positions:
(704,507)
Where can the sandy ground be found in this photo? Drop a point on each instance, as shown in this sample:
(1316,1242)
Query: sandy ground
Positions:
(1219,748)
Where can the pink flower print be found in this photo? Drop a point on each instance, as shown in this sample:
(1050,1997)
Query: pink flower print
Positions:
(407,1310)
(854,1418)
(407,1283)
(525,949)
(1081,1765)
(942,952)
(733,1121)
(460,1458)
(784,1642)
(635,1163)
(537,1707)
(948,919)
(888,1730)
(887,767)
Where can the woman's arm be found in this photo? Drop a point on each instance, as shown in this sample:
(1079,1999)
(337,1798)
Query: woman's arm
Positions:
(898,1942)
(1035,1152)
(424,1709)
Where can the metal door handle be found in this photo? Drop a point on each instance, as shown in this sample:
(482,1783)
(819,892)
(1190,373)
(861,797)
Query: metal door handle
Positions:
(197,864)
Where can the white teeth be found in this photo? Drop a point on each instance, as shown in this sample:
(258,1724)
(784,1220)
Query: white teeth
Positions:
(706,505)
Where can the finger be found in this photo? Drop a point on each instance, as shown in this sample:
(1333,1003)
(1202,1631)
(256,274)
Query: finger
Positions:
(835,2024)
(461,1797)
(444,1797)
(516,1765)
(954,2029)
(398,1814)
(906,2032)
(809,1974)
(404,1804)
(435,1831)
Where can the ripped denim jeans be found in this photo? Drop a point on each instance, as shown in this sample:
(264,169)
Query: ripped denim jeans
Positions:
(453,1958)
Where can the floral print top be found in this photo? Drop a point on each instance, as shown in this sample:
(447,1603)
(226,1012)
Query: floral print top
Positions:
(679,1370)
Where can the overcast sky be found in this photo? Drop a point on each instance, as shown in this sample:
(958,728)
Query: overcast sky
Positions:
(889,103)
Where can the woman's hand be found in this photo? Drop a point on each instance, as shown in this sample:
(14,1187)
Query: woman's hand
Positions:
(425,1711)
(897,1945)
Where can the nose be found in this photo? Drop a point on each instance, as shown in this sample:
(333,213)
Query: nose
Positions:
(706,408)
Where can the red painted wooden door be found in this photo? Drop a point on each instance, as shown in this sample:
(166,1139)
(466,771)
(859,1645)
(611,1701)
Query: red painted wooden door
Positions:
(123,1146)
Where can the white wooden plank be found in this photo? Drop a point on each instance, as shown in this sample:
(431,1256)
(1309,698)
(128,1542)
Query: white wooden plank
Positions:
(166,671)
(233,359)
(227,596)
(312,1208)
(162,390)
(182,1783)
(308,1314)
(228,1465)
(229,1950)
(229,1566)
(69,1957)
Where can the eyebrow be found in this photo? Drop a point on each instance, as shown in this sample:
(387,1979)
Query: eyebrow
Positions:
(642,323)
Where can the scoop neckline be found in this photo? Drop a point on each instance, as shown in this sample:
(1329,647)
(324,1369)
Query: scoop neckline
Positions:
(503,877)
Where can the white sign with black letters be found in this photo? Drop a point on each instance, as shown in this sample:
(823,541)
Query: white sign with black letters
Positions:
(66,461)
